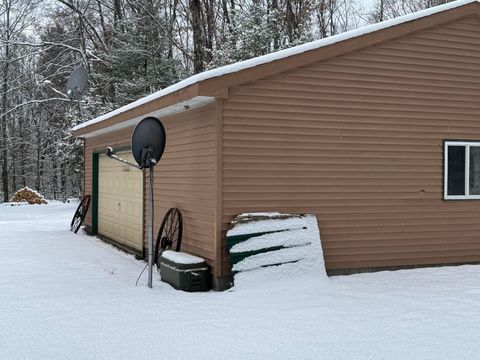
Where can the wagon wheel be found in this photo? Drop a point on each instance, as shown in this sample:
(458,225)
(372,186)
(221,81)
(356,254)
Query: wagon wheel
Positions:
(80,214)
(170,233)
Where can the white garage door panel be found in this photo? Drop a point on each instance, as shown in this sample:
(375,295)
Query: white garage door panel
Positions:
(120,192)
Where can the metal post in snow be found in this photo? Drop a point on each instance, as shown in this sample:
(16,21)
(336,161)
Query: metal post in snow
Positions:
(150,231)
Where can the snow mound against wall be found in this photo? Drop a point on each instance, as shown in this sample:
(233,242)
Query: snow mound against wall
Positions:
(276,247)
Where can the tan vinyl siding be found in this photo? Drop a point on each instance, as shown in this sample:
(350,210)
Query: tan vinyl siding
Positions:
(358,140)
(185,178)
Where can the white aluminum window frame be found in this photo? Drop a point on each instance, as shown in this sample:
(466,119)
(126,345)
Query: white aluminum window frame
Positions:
(467,195)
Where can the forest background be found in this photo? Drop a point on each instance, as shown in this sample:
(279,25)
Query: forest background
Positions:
(132,48)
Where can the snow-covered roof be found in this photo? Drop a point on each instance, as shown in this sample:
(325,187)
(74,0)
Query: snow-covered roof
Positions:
(242,65)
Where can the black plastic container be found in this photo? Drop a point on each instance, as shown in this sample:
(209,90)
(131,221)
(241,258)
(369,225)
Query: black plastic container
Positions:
(186,277)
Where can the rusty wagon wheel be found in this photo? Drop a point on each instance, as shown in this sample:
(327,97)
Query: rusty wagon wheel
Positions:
(80,214)
(170,234)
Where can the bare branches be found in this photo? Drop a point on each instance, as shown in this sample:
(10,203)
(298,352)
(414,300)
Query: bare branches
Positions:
(167,33)
(32,102)
(49,44)
(91,28)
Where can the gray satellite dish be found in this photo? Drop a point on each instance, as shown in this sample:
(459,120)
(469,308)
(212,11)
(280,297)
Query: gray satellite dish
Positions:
(148,142)
(77,83)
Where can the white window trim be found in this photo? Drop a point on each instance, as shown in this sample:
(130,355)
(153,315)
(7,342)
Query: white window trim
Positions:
(467,145)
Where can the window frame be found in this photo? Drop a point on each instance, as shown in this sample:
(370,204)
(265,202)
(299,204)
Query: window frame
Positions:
(467,144)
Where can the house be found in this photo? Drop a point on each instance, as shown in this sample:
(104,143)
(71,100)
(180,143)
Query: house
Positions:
(376,131)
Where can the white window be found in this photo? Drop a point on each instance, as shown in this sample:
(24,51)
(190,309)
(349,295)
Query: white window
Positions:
(461,170)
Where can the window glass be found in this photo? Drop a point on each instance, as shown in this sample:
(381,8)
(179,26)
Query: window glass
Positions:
(474,176)
(456,170)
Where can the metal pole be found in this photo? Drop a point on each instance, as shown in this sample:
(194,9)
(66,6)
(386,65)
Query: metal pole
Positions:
(150,231)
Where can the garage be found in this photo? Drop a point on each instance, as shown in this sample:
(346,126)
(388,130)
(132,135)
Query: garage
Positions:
(354,129)
(120,191)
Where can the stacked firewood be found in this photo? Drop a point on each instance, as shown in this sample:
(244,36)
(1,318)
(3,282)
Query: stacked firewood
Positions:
(29,196)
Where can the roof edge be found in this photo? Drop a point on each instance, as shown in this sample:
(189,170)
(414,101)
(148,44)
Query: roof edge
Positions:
(207,83)
(139,107)
(349,41)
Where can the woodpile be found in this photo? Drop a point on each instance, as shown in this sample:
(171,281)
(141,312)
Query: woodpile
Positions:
(27,195)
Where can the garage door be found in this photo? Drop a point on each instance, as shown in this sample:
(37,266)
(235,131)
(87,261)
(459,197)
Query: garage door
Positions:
(120,192)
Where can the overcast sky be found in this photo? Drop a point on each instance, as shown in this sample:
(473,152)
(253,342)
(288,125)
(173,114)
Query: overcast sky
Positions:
(367,3)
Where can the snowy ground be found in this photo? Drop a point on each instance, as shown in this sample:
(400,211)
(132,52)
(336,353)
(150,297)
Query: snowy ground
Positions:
(65,296)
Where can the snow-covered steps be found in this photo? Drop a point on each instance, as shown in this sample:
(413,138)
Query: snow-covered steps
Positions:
(268,239)
(243,246)
(271,258)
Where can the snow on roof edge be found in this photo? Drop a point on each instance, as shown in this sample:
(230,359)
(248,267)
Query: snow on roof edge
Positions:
(264,59)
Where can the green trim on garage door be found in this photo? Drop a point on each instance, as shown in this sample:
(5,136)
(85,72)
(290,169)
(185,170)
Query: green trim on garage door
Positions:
(95,193)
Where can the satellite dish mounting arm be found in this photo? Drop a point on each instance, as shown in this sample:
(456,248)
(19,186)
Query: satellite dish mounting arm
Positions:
(147,157)
(111,154)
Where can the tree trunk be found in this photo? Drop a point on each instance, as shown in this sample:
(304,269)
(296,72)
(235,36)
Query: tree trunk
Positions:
(171,25)
(198,51)
(3,119)
(63,182)
(290,21)
(210,29)
(331,6)
(102,19)
(55,177)
(14,154)
(226,15)
(117,14)
(276,36)
(38,167)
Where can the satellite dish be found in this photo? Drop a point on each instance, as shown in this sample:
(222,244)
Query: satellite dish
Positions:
(77,83)
(148,142)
